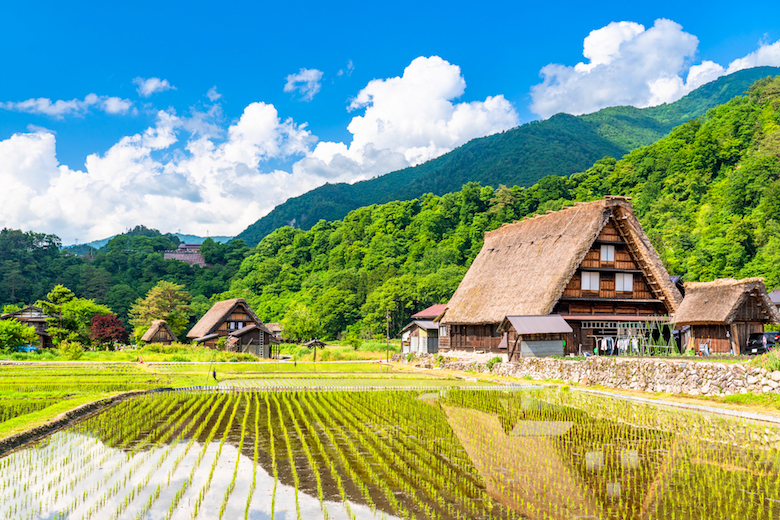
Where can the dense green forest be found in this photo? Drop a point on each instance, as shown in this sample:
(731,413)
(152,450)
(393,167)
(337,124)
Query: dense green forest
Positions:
(560,145)
(707,195)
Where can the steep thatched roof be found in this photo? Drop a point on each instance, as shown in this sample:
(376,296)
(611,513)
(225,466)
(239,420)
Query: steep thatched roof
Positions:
(158,325)
(718,302)
(524,267)
(217,314)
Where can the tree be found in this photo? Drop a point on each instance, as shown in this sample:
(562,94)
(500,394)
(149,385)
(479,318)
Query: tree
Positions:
(165,301)
(15,334)
(299,323)
(70,317)
(107,329)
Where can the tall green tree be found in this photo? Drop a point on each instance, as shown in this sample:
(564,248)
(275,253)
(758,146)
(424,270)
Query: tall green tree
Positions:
(165,301)
(14,334)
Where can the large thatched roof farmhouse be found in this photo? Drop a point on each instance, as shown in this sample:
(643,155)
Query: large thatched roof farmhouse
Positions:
(237,322)
(722,314)
(591,263)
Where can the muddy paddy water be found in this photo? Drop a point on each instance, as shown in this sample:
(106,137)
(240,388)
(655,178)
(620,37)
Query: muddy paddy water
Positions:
(536,454)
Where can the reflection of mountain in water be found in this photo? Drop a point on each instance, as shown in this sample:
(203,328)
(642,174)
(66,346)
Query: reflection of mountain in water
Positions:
(554,461)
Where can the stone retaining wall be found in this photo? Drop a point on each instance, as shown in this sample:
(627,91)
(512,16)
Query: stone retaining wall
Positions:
(649,375)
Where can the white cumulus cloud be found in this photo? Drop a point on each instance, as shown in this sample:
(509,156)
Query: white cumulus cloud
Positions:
(147,87)
(61,108)
(408,120)
(628,64)
(306,81)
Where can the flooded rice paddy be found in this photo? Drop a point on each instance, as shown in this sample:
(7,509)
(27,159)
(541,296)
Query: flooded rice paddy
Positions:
(445,454)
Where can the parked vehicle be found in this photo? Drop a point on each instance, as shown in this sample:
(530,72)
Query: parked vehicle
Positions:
(761,342)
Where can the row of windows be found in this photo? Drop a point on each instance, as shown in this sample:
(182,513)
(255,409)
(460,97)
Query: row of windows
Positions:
(624,282)
(235,325)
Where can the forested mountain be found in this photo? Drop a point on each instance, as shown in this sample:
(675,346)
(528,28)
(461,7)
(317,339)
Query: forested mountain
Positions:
(178,238)
(560,145)
(708,196)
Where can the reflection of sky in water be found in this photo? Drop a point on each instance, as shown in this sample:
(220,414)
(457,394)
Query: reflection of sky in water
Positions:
(99,476)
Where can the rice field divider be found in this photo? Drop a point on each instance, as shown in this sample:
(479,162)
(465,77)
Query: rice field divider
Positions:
(328,460)
(253,486)
(329,424)
(219,405)
(205,489)
(273,454)
(381,454)
(160,440)
(418,468)
(232,484)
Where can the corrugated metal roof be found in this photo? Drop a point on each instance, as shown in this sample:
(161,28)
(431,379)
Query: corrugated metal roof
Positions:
(539,324)
(423,324)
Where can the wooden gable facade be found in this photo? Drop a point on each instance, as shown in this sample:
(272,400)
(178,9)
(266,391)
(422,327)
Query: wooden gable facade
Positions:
(590,263)
(233,319)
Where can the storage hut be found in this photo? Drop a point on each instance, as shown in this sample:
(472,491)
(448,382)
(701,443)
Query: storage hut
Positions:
(591,263)
(420,336)
(722,314)
(159,332)
(534,336)
(229,318)
(34,317)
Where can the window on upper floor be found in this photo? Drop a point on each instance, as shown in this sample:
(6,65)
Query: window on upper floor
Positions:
(607,253)
(590,281)
(624,282)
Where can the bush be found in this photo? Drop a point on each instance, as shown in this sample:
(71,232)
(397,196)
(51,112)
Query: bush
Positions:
(493,361)
(72,350)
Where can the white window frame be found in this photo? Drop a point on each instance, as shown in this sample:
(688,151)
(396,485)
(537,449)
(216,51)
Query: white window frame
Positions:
(607,253)
(443,331)
(624,282)
(589,280)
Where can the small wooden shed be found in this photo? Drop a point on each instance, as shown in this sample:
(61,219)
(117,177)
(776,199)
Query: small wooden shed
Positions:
(159,332)
(534,336)
(723,313)
(421,336)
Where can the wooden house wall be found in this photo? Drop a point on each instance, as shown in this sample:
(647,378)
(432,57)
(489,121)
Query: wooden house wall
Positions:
(534,345)
(162,337)
(472,337)
(718,336)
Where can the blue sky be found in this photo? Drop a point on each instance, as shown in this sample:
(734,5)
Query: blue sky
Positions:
(175,158)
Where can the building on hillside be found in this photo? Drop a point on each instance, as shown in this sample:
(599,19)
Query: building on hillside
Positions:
(34,317)
(420,336)
(189,253)
(591,263)
(534,336)
(228,319)
(720,315)
(159,332)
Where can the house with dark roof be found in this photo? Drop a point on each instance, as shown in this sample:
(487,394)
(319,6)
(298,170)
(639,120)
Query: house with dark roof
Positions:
(159,332)
(591,263)
(34,317)
(723,313)
(235,321)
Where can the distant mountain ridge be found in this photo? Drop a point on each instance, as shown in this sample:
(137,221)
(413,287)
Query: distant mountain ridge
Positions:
(561,145)
(186,239)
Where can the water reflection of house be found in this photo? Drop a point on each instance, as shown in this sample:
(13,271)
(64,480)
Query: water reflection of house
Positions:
(591,263)
(159,332)
(34,317)
(235,321)
(723,313)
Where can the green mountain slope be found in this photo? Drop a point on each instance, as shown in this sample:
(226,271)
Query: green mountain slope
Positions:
(708,196)
(560,145)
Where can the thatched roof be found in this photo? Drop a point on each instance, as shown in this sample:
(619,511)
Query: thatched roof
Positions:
(717,302)
(217,314)
(524,267)
(155,328)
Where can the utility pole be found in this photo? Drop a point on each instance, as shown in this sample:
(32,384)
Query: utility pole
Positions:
(387,318)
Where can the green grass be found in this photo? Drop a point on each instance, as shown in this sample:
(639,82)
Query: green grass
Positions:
(32,420)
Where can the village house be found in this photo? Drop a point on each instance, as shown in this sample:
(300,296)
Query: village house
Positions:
(422,334)
(189,253)
(276,330)
(159,332)
(34,317)
(235,321)
(720,315)
(591,263)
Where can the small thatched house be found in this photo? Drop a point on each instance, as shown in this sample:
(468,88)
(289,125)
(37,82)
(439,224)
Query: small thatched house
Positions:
(591,263)
(34,317)
(159,332)
(229,319)
(420,336)
(723,313)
